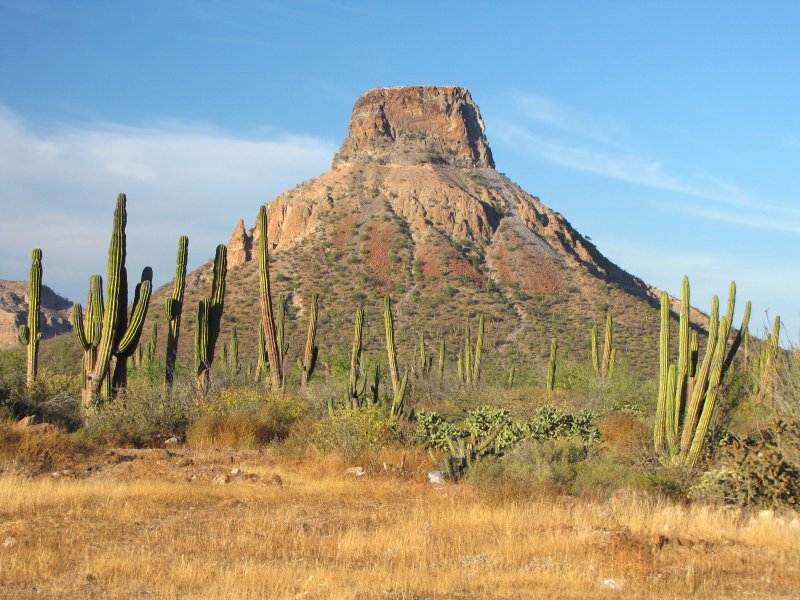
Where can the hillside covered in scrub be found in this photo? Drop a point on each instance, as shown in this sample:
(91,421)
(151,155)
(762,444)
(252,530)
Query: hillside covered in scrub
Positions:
(413,207)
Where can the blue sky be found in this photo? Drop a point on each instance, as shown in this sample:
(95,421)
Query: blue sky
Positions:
(669,133)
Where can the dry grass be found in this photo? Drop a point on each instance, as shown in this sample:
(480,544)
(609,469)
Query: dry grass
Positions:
(290,529)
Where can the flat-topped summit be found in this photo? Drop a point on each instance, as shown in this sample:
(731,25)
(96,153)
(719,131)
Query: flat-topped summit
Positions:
(411,125)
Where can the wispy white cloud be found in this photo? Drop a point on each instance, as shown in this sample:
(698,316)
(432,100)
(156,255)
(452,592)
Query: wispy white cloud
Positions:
(60,184)
(562,136)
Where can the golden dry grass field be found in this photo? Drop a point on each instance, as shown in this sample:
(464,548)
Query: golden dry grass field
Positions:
(252,524)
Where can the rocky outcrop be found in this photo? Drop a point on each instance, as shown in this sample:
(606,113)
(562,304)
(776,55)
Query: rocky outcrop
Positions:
(413,125)
(14,312)
(240,246)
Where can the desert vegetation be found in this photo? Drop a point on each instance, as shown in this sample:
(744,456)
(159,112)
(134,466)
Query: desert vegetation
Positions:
(356,474)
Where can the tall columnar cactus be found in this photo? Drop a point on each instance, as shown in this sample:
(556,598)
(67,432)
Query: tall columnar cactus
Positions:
(769,353)
(441,359)
(604,368)
(149,357)
(267,316)
(132,325)
(29,334)
(551,365)
(88,330)
(422,358)
(660,429)
(233,353)
(476,362)
(354,391)
(398,385)
(173,309)
(688,393)
(467,355)
(280,333)
(391,348)
(209,316)
(119,335)
(311,351)
(263,361)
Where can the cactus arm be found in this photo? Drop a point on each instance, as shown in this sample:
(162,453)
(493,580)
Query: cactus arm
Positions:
(551,365)
(476,367)
(173,307)
(267,316)
(467,355)
(660,428)
(399,398)
(24,335)
(700,383)
(704,424)
(441,359)
(595,357)
(78,326)
(607,347)
(391,349)
(116,262)
(309,356)
(141,302)
(737,341)
(355,356)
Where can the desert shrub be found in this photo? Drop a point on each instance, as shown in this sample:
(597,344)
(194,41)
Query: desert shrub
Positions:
(142,416)
(245,418)
(548,463)
(489,431)
(754,474)
(52,397)
(41,451)
(355,431)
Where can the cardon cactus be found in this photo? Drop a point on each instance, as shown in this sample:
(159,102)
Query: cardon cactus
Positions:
(311,351)
(605,368)
(273,350)
(551,365)
(398,385)
(688,393)
(173,309)
(119,335)
(209,315)
(88,330)
(29,334)
(354,391)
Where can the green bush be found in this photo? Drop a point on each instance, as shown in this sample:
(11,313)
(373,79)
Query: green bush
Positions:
(354,431)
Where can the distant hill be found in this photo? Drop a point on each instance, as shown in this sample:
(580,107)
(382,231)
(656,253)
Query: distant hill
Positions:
(14,312)
(413,207)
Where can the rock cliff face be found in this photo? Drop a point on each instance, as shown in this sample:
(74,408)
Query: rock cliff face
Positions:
(413,207)
(14,312)
(416,125)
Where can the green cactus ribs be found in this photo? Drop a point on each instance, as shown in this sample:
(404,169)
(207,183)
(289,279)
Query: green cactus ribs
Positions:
(29,334)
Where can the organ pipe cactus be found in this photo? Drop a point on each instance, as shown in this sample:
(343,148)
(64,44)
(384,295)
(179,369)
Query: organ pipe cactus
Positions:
(311,351)
(119,335)
(233,353)
(209,315)
(173,309)
(551,365)
(355,360)
(280,335)
(398,385)
(476,363)
(604,368)
(29,334)
(688,393)
(267,317)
